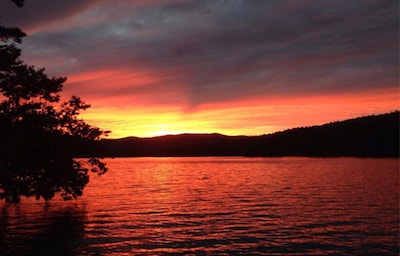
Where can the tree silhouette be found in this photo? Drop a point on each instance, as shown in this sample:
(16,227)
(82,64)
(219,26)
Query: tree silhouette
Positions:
(40,133)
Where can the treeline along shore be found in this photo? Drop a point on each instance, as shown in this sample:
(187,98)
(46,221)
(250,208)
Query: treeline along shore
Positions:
(370,136)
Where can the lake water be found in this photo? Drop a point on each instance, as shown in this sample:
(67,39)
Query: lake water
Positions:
(217,206)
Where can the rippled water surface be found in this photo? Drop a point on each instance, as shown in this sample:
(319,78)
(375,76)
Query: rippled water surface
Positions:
(217,206)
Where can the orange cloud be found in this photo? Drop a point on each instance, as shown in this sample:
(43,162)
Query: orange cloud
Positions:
(156,67)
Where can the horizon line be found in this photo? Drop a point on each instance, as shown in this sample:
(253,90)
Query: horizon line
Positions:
(255,135)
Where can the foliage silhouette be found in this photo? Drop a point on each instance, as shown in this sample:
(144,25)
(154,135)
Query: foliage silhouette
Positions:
(41,135)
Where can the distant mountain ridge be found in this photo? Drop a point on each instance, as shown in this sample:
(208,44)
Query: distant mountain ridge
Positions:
(370,136)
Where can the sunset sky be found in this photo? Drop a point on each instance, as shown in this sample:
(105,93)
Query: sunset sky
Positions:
(237,67)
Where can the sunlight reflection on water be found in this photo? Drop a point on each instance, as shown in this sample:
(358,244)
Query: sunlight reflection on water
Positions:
(217,205)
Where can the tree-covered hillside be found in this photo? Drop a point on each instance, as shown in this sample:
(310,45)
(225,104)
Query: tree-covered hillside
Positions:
(371,136)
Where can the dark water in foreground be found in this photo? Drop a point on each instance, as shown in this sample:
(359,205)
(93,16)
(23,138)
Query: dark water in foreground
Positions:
(217,206)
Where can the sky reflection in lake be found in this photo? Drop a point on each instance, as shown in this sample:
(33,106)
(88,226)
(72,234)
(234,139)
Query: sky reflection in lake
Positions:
(217,206)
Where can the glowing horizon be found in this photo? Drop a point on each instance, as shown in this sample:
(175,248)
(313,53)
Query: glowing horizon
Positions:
(248,118)
(152,68)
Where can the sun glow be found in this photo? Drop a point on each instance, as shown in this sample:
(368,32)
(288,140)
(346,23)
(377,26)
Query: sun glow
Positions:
(150,73)
(164,129)
(249,117)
